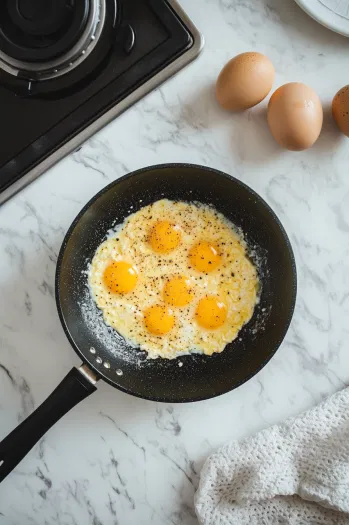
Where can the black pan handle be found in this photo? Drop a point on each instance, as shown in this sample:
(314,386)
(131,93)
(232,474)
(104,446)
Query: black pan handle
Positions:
(76,386)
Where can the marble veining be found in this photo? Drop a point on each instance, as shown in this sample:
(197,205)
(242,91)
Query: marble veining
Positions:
(115,459)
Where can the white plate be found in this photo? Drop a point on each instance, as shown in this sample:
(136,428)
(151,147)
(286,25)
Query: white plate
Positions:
(333,14)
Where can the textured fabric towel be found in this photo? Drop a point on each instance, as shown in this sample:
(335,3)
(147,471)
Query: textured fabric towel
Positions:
(296,473)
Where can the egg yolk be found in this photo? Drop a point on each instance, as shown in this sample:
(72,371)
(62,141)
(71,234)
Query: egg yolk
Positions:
(177,291)
(120,277)
(164,237)
(158,320)
(211,312)
(204,257)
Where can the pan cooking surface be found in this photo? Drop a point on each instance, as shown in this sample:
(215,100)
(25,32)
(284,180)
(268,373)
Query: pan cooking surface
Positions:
(193,377)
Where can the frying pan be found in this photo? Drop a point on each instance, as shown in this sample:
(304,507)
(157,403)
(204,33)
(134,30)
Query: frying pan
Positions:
(189,378)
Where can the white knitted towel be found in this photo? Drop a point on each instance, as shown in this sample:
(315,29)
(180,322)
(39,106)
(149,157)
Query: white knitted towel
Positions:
(296,473)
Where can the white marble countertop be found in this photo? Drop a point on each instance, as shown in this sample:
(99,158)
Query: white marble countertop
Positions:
(116,459)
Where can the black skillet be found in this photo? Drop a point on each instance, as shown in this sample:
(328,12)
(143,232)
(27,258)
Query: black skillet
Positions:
(200,377)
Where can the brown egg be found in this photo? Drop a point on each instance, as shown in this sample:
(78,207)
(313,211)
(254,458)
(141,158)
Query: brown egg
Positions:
(295,116)
(244,81)
(340,109)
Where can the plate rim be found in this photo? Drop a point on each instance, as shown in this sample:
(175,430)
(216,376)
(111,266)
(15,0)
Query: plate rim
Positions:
(324,16)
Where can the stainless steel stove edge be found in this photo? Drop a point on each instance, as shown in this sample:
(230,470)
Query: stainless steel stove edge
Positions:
(110,115)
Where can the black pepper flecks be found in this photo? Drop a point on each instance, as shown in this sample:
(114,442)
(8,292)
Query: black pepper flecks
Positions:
(172,265)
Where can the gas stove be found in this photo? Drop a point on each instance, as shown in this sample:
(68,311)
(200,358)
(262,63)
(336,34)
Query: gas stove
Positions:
(68,67)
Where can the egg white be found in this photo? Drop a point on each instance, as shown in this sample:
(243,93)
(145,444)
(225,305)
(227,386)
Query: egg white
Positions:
(235,280)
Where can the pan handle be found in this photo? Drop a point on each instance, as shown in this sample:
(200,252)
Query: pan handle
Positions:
(76,386)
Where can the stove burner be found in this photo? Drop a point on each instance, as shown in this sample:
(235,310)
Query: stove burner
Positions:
(44,39)
(41,30)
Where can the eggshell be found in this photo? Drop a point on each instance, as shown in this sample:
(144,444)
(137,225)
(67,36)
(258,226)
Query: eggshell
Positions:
(244,81)
(340,109)
(295,116)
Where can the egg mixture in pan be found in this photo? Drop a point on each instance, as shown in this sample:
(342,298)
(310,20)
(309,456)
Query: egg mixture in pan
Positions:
(175,278)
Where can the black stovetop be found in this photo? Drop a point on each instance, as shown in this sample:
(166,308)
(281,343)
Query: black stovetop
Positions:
(38,117)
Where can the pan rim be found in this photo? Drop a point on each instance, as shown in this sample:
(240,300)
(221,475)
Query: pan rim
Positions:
(176,165)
